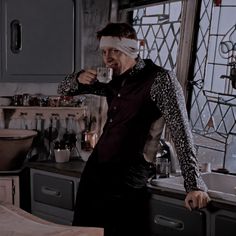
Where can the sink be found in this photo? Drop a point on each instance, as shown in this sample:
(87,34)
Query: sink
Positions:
(220,186)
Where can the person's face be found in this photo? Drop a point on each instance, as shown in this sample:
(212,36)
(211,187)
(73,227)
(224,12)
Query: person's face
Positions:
(117,60)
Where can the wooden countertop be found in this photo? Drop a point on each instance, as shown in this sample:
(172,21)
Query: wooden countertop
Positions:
(16,222)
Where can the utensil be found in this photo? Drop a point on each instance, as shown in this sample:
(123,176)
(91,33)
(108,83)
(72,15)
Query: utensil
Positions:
(51,133)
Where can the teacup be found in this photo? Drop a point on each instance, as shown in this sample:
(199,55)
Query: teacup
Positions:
(104,74)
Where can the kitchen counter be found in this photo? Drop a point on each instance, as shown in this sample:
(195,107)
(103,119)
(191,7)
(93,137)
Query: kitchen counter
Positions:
(168,192)
(72,168)
(26,224)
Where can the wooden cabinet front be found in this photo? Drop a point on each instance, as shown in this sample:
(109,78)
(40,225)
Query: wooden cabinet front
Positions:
(9,190)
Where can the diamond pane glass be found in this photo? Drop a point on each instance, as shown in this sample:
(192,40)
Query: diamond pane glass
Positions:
(213,101)
(159,27)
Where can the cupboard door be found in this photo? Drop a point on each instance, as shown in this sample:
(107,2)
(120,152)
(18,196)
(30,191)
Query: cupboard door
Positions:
(6,194)
(224,223)
(9,190)
(39,40)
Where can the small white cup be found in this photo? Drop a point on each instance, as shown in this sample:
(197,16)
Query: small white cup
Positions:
(62,155)
(104,74)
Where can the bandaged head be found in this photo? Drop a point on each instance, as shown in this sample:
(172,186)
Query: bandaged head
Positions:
(125,45)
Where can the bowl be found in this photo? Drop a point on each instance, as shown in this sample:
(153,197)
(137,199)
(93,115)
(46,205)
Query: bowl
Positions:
(14,147)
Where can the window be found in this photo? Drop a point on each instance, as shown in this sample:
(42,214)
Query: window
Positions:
(167,30)
(213,104)
(159,26)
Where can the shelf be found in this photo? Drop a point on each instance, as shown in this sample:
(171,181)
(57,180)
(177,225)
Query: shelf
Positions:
(30,112)
(41,108)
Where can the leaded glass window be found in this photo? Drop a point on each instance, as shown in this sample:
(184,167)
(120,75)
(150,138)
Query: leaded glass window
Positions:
(159,26)
(213,98)
(213,109)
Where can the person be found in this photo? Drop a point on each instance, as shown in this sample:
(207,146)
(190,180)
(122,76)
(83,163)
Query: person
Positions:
(112,192)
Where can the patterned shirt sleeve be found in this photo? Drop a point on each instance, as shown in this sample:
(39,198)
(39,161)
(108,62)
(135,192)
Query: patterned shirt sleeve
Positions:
(167,93)
(71,87)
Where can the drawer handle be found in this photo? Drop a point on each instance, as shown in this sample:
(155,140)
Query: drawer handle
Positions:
(168,222)
(51,191)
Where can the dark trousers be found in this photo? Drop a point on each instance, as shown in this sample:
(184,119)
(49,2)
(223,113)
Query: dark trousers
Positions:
(103,200)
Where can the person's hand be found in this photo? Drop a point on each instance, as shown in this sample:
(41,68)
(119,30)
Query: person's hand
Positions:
(87,77)
(196,200)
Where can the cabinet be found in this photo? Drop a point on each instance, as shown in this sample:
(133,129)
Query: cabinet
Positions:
(53,196)
(40,39)
(223,223)
(169,217)
(9,190)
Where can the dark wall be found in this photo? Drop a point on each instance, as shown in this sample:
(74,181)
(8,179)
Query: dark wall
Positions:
(95,16)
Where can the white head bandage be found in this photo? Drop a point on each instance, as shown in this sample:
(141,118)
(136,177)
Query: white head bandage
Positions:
(125,45)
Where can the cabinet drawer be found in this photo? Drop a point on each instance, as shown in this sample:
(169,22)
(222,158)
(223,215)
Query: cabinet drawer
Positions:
(53,191)
(170,219)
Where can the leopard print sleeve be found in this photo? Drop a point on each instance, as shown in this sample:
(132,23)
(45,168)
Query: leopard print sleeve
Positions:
(167,93)
(70,86)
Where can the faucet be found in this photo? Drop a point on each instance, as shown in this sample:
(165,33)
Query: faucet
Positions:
(172,156)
